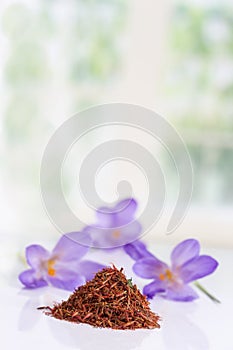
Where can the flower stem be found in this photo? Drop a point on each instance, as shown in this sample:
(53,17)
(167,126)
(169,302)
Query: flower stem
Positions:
(202,289)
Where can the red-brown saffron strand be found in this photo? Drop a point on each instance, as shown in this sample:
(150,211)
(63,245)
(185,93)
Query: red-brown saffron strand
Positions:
(108,300)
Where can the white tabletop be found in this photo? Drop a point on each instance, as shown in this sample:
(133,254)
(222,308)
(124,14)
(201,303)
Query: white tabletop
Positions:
(194,325)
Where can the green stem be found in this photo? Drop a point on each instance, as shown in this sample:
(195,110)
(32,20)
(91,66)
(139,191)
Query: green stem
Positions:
(202,289)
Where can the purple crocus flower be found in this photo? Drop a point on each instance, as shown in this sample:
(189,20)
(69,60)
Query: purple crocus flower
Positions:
(115,226)
(137,250)
(172,282)
(61,268)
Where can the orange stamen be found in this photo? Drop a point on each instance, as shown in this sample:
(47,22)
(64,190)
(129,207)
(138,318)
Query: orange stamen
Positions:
(162,277)
(167,275)
(51,270)
(116,234)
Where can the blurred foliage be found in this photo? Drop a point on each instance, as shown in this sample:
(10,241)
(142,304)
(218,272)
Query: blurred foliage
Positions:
(201,73)
(199,88)
(30,66)
(62,54)
(46,45)
(97,56)
(21,114)
(59,57)
(73,43)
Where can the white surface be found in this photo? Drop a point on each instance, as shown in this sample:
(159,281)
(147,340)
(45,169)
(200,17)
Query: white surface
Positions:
(196,325)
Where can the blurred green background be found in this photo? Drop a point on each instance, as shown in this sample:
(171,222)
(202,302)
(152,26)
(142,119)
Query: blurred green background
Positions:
(58,57)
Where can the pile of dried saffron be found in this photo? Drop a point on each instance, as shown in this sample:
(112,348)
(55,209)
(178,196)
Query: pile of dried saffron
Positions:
(108,300)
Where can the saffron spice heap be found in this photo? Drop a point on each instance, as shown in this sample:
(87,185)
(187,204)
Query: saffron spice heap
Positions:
(108,300)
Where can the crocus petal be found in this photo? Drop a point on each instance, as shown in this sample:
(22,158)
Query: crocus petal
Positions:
(185,251)
(66,279)
(129,233)
(99,235)
(149,268)
(113,238)
(137,250)
(89,268)
(151,289)
(68,249)
(181,292)
(29,279)
(35,254)
(116,216)
(105,217)
(125,211)
(197,268)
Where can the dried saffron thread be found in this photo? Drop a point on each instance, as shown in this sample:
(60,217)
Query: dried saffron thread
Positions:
(108,300)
